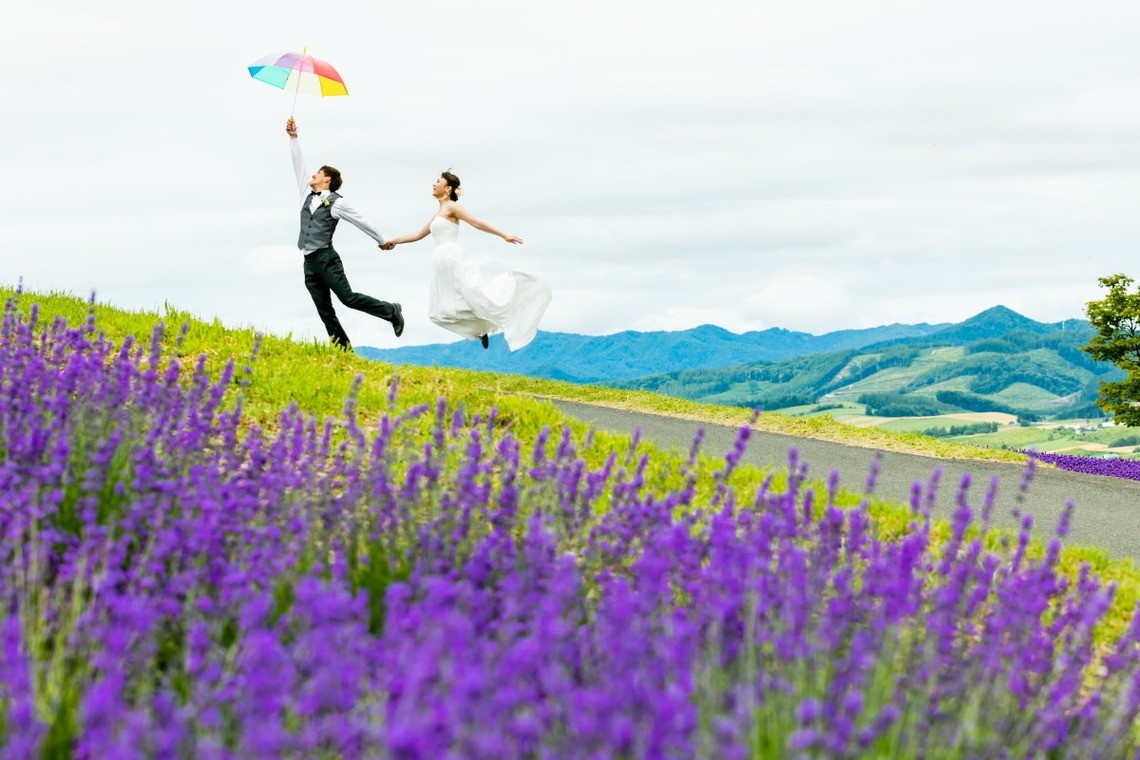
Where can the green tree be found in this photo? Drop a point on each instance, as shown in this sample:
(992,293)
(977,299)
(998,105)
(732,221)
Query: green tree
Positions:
(1116,320)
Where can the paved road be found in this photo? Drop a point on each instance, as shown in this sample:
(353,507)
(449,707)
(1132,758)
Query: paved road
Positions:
(1107,509)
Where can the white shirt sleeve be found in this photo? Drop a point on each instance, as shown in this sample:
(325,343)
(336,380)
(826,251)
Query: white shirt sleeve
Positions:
(299,167)
(343,210)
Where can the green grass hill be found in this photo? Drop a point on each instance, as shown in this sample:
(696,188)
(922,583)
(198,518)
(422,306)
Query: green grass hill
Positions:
(273,373)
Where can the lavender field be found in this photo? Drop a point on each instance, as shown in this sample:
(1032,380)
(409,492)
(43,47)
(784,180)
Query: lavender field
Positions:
(1114,468)
(180,581)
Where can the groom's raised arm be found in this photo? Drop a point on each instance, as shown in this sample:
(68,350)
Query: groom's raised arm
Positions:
(298,159)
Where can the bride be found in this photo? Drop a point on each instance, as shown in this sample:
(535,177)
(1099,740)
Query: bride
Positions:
(460,299)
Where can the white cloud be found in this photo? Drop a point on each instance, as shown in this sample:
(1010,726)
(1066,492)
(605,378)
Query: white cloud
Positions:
(668,163)
(273,260)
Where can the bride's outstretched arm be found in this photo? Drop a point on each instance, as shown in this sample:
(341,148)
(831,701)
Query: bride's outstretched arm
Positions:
(423,233)
(465,215)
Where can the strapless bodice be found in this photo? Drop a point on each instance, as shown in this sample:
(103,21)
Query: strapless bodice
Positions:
(443,231)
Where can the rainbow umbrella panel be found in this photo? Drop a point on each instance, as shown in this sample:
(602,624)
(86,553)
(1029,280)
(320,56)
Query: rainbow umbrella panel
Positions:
(299,72)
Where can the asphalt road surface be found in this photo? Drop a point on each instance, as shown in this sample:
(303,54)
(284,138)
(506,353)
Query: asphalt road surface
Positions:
(1107,511)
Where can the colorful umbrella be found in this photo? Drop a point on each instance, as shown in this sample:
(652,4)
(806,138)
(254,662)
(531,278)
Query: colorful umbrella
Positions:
(299,72)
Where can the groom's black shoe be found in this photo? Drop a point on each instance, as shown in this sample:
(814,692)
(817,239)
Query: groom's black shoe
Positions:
(484,340)
(398,320)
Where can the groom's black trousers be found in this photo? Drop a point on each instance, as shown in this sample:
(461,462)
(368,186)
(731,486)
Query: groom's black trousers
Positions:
(324,274)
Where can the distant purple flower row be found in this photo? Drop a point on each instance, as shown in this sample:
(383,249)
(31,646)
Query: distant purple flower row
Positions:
(1116,468)
(178,583)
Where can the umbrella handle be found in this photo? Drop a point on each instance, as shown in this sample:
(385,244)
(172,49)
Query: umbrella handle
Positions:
(294,108)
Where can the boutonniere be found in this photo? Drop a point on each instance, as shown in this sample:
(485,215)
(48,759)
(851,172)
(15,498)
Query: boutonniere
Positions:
(327,200)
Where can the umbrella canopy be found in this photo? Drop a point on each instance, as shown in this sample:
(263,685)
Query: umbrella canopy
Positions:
(299,72)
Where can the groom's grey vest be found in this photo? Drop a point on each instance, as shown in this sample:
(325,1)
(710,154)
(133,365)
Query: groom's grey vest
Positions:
(317,228)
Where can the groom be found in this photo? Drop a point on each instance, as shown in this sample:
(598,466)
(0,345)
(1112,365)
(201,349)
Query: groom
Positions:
(321,209)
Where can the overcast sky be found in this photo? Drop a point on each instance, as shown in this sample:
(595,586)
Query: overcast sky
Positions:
(804,164)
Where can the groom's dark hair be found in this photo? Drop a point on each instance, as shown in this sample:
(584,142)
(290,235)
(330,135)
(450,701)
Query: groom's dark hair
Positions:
(334,177)
(453,183)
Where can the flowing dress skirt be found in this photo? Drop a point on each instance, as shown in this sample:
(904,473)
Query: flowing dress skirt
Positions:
(462,301)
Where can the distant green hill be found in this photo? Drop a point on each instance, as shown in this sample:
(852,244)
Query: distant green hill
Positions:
(627,355)
(994,322)
(995,361)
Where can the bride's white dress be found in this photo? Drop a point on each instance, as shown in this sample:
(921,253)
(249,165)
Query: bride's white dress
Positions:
(460,299)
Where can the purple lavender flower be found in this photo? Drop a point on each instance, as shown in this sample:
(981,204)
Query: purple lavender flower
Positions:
(181,581)
(1116,467)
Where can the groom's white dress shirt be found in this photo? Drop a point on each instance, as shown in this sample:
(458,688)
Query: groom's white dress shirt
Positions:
(340,210)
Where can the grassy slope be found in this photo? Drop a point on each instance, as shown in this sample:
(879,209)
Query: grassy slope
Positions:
(318,379)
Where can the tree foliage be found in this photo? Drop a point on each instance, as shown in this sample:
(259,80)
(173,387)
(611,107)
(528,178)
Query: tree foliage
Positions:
(972,402)
(897,405)
(1116,322)
(972,428)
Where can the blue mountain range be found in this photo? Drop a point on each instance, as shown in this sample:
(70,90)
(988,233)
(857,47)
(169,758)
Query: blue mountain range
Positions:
(631,354)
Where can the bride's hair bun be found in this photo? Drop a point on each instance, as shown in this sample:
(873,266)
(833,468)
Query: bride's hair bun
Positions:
(453,183)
